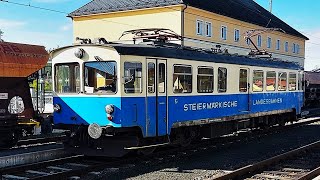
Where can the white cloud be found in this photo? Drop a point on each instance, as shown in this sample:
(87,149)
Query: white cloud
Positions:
(6,23)
(66,27)
(312,50)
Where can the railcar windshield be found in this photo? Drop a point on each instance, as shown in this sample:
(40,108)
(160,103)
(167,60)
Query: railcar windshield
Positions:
(100,77)
(67,78)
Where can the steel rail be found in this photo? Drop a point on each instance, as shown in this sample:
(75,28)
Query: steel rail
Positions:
(247,170)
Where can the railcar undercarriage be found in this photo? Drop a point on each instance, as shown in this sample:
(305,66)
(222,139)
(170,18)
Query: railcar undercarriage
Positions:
(117,143)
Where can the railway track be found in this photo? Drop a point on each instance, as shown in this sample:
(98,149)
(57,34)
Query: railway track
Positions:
(63,168)
(300,164)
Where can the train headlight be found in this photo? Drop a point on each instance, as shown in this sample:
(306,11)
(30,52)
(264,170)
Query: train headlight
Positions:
(56,108)
(109,109)
(94,131)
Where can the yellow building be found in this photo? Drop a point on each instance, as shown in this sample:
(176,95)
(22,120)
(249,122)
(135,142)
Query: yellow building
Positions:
(202,23)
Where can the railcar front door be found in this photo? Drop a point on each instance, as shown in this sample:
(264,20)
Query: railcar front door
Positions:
(156,104)
(244,89)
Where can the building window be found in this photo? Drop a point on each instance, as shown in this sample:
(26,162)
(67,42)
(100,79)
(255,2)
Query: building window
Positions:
(133,77)
(222,79)
(259,41)
(182,79)
(199,27)
(236,35)
(223,32)
(208,29)
(271,81)
(257,81)
(269,42)
(205,80)
(294,48)
(282,82)
(243,80)
(292,81)
(286,47)
(298,49)
(248,41)
(278,44)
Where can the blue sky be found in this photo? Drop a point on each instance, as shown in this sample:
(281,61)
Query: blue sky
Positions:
(28,25)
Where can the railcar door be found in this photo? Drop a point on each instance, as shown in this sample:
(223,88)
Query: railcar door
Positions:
(156,104)
(244,89)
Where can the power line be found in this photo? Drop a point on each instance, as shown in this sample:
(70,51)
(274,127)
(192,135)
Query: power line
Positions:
(62,12)
(35,7)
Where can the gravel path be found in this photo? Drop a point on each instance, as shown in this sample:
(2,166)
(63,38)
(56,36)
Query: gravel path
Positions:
(218,161)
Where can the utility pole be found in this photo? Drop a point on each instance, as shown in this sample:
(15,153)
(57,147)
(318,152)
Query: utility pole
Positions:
(1,33)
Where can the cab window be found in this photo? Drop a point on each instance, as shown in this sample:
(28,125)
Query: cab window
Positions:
(100,77)
(67,78)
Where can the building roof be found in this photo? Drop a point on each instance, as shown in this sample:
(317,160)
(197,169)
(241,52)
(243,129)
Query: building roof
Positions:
(312,77)
(244,10)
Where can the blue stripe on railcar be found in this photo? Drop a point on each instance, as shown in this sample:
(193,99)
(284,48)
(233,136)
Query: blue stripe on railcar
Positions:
(87,110)
(131,111)
(186,108)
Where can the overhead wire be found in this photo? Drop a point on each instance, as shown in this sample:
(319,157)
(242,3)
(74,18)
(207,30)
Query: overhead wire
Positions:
(63,12)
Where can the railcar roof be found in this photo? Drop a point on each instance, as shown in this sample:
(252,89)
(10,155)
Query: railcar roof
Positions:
(179,53)
(190,54)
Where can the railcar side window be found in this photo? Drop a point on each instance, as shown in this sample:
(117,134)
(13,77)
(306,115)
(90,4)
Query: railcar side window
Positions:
(300,81)
(162,78)
(100,77)
(132,77)
(67,78)
(243,80)
(205,80)
(222,79)
(292,81)
(151,77)
(282,82)
(271,81)
(257,84)
(182,79)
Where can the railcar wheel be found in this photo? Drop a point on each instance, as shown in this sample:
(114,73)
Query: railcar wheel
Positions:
(146,151)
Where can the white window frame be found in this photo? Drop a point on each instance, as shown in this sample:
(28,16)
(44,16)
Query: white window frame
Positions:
(199,27)
(208,24)
(278,42)
(224,31)
(286,46)
(259,40)
(269,42)
(236,35)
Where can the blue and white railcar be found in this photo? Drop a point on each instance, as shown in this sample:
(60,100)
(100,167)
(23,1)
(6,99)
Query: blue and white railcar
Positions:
(118,96)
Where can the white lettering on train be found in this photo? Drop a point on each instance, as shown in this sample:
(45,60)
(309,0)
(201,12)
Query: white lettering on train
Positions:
(267,101)
(208,106)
